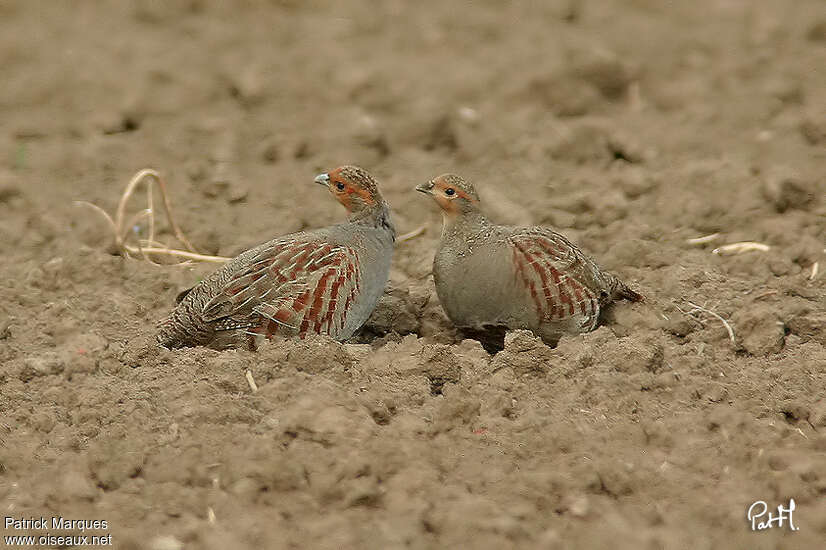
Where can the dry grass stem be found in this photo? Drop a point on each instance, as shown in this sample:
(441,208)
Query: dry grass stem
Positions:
(704,240)
(411,234)
(124,228)
(251,381)
(739,248)
(696,309)
(184,254)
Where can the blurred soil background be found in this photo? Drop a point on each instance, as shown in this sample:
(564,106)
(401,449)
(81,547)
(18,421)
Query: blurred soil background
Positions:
(631,126)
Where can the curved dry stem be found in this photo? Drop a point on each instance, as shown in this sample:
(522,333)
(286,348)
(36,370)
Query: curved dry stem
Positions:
(151,208)
(133,223)
(136,180)
(716,316)
(100,211)
(146,243)
(120,213)
(168,208)
(146,248)
(704,239)
(739,248)
(136,219)
(251,381)
(411,234)
(177,254)
(143,254)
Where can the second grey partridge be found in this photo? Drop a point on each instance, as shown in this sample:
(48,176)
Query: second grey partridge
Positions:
(490,278)
(325,281)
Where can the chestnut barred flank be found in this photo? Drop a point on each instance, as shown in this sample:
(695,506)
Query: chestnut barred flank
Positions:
(326,281)
(491,277)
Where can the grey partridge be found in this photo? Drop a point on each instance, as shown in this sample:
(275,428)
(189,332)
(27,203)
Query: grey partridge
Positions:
(324,281)
(490,278)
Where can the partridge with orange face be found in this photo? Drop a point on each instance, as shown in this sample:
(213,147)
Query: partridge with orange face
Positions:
(325,281)
(490,278)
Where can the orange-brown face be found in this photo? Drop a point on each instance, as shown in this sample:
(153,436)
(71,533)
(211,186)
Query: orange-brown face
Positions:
(451,193)
(350,186)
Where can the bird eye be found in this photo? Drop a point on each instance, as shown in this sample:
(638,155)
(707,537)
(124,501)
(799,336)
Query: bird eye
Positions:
(340,186)
(450,191)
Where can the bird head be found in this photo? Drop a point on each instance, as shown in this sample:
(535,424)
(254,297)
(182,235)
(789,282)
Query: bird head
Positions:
(454,195)
(354,188)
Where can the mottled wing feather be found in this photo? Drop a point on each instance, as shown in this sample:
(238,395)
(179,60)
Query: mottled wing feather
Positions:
(181,295)
(289,287)
(558,277)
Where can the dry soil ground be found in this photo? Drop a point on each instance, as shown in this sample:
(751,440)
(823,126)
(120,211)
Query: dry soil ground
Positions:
(632,126)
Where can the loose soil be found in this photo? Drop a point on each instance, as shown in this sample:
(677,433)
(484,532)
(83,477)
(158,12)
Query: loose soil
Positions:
(630,126)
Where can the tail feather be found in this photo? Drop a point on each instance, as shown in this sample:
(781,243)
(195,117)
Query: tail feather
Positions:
(169,336)
(624,292)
